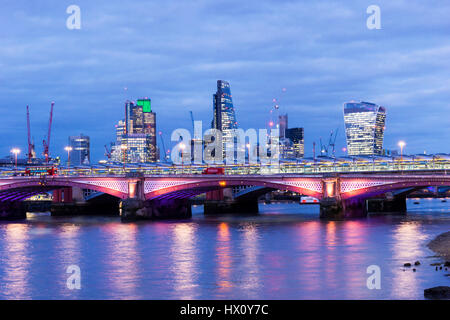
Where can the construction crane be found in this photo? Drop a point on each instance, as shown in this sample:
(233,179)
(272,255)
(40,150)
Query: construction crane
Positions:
(164,146)
(47,143)
(107,153)
(331,144)
(31,153)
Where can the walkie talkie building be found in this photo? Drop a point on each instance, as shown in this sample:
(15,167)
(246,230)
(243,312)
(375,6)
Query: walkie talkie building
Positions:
(364,127)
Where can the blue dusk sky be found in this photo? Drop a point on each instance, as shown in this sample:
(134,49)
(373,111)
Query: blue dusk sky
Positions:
(321,52)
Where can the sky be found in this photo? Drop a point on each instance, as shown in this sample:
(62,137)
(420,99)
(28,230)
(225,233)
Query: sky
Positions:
(321,52)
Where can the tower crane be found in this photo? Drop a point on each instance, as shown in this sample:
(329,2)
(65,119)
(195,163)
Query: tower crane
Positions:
(163,145)
(107,153)
(31,153)
(46,143)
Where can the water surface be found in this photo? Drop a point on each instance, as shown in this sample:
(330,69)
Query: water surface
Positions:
(284,253)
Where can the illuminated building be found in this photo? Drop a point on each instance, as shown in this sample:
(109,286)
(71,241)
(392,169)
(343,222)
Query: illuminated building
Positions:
(283,125)
(224,118)
(296,136)
(80,152)
(136,135)
(364,127)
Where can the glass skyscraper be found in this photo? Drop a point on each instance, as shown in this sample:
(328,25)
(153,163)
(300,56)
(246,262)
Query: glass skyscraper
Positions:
(81,150)
(136,135)
(364,127)
(224,118)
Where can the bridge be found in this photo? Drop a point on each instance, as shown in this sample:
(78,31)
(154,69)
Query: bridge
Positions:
(341,195)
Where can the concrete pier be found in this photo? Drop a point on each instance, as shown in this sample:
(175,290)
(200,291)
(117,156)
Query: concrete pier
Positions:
(137,209)
(12,210)
(212,207)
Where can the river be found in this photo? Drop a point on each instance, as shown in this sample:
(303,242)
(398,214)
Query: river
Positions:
(286,252)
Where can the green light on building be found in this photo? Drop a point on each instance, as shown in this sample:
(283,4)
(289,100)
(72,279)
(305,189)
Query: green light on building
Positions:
(146,104)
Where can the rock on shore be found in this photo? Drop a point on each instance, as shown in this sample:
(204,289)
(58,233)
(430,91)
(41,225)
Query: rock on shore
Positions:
(441,245)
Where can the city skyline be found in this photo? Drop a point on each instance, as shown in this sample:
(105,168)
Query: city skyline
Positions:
(86,78)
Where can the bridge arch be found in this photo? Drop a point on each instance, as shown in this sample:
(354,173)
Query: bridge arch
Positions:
(412,184)
(25,188)
(190,189)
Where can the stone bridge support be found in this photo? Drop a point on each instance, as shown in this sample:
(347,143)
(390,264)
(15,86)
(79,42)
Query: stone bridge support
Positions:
(12,210)
(333,206)
(136,207)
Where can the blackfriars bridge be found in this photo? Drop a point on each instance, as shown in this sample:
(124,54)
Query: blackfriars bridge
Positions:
(341,195)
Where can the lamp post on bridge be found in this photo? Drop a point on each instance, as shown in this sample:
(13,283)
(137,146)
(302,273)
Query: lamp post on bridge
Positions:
(15,151)
(401,144)
(68,149)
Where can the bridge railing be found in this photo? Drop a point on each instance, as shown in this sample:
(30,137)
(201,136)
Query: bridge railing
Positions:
(291,168)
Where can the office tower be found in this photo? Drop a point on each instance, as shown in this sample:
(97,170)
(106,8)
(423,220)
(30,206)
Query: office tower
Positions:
(296,136)
(120,130)
(80,153)
(136,135)
(283,125)
(364,127)
(137,148)
(224,118)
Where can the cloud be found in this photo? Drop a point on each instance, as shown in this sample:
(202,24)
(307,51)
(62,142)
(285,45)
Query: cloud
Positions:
(174,51)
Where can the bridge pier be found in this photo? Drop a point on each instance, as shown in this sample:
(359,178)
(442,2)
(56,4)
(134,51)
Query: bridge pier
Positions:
(248,206)
(71,202)
(396,205)
(334,208)
(137,209)
(12,210)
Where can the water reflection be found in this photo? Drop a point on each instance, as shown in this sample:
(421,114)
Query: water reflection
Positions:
(406,247)
(122,261)
(184,255)
(68,253)
(223,259)
(250,267)
(16,262)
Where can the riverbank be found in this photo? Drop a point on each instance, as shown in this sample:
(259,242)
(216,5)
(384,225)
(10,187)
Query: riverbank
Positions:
(441,245)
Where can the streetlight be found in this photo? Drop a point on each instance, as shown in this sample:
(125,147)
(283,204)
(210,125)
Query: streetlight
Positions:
(401,144)
(16,151)
(68,149)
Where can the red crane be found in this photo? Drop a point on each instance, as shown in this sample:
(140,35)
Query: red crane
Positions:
(31,153)
(47,143)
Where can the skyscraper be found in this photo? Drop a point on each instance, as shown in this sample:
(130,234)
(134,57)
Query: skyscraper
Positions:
(364,127)
(283,125)
(136,135)
(80,153)
(296,136)
(224,118)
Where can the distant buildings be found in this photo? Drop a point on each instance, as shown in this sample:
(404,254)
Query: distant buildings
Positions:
(224,118)
(292,143)
(364,126)
(80,153)
(136,134)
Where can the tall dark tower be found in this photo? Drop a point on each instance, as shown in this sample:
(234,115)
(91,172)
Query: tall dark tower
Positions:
(224,118)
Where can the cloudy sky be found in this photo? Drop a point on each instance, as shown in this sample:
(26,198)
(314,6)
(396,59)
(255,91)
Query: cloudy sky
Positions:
(174,52)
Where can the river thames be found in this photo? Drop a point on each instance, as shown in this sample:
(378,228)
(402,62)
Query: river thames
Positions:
(286,252)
